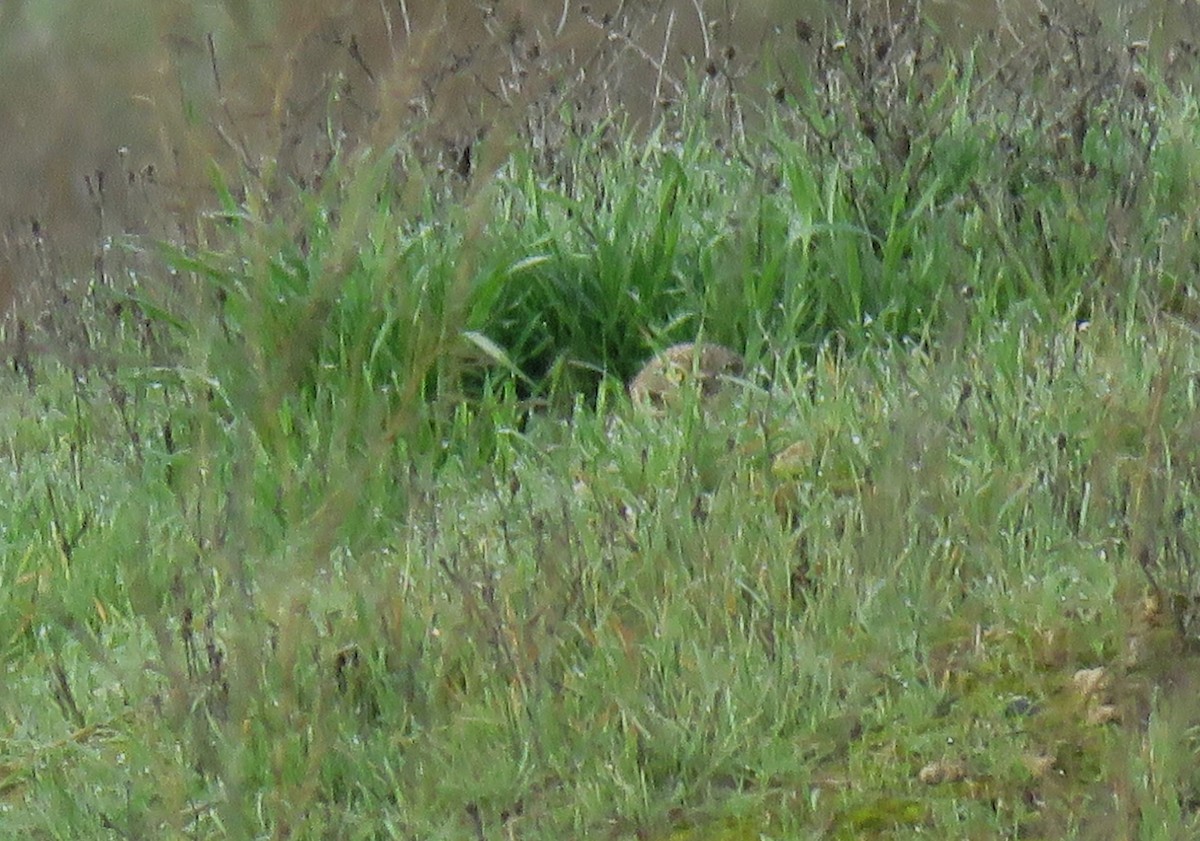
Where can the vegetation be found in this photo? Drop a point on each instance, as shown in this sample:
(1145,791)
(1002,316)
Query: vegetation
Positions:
(332,519)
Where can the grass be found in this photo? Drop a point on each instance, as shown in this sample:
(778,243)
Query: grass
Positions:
(613,632)
(336,522)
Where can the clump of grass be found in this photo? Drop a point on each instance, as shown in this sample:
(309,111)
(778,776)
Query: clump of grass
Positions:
(830,234)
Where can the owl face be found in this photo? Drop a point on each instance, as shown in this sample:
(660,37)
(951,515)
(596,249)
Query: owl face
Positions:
(705,366)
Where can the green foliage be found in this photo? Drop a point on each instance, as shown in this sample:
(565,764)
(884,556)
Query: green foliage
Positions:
(612,624)
(362,538)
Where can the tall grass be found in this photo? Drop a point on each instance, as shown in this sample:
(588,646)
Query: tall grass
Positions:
(359,537)
(867,209)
